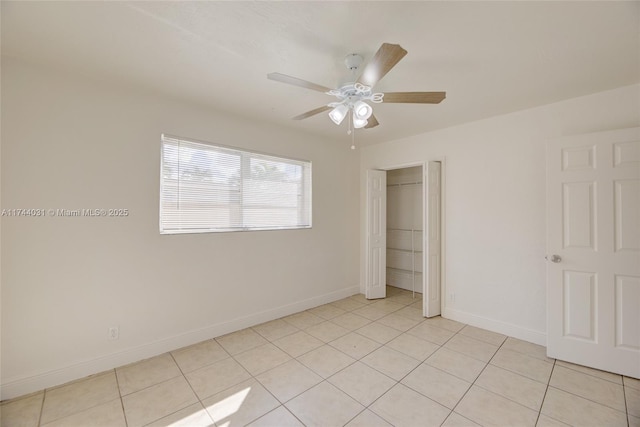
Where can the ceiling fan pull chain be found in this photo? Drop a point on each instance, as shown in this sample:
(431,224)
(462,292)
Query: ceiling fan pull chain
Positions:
(352,132)
(353,138)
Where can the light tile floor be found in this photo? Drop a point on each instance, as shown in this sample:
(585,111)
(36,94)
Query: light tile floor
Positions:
(352,362)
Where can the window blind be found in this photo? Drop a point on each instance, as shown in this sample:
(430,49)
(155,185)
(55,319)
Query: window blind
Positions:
(209,188)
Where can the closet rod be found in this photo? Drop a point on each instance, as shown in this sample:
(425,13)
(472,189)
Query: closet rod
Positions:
(404,183)
(402,250)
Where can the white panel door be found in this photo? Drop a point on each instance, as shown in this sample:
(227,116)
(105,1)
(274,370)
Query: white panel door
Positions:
(376,261)
(593,244)
(434,241)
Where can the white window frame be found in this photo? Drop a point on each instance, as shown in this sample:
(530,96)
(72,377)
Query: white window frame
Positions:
(303,205)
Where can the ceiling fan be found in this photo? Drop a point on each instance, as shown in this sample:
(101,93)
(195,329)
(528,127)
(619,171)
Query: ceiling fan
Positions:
(352,97)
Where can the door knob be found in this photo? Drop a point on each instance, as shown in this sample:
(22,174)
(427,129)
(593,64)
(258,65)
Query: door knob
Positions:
(554,258)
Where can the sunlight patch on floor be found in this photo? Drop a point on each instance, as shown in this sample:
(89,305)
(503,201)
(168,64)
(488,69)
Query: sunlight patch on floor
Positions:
(228,406)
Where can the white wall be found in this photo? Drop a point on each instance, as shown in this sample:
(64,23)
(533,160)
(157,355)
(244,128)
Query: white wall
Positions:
(494,201)
(70,143)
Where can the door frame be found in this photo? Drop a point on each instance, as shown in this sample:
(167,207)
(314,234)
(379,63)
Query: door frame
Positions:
(424,165)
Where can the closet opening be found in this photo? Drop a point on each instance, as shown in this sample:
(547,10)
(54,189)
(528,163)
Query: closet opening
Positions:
(405,189)
(404,235)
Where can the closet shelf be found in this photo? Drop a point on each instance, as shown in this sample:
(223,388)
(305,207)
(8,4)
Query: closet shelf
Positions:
(403,229)
(402,270)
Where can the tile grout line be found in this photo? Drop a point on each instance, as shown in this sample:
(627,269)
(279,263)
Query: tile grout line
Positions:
(441,346)
(103,373)
(326,380)
(198,397)
(272,395)
(292,414)
(254,378)
(385,344)
(518,373)
(582,397)
(279,406)
(44,396)
(365,407)
(380,397)
(478,376)
(590,400)
(283,404)
(626,408)
(148,387)
(323,379)
(335,373)
(124,414)
(190,386)
(184,377)
(269,340)
(591,375)
(400,381)
(273,367)
(513,372)
(545,392)
(546,389)
(471,357)
(409,373)
(334,348)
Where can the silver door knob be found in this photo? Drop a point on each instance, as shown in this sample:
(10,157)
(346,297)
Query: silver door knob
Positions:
(554,258)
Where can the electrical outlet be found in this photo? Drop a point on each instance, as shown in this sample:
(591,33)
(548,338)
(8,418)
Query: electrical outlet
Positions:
(114,333)
(452,297)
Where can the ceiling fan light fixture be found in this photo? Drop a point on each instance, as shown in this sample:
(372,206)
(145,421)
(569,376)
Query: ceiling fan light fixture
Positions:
(362,110)
(359,123)
(338,114)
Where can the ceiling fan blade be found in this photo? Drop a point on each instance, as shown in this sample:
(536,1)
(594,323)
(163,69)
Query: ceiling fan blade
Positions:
(414,97)
(384,60)
(283,78)
(312,112)
(373,122)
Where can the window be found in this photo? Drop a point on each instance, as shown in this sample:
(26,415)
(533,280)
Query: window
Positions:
(207,188)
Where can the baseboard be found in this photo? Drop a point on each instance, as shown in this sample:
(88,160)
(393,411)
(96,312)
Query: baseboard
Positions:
(504,328)
(14,387)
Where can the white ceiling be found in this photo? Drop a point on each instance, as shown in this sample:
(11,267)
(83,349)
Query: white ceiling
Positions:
(490,57)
